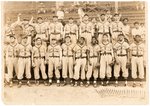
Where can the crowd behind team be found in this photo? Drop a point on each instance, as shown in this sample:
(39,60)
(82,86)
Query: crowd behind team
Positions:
(91,49)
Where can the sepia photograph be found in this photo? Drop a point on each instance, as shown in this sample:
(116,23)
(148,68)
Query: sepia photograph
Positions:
(74,52)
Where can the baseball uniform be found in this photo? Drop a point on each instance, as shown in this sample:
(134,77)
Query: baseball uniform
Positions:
(38,55)
(54,53)
(11,59)
(94,53)
(126,32)
(80,60)
(137,58)
(56,30)
(72,31)
(106,58)
(137,31)
(103,28)
(41,30)
(120,50)
(24,61)
(116,29)
(86,31)
(67,60)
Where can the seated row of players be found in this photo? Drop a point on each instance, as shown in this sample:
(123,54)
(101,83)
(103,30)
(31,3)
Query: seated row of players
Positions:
(85,28)
(81,61)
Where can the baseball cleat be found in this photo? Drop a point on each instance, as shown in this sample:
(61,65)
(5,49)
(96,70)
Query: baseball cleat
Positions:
(28,83)
(81,84)
(134,84)
(71,83)
(125,84)
(37,83)
(87,84)
(107,83)
(50,82)
(45,83)
(116,83)
(11,84)
(20,84)
(102,83)
(95,84)
(76,84)
(58,83)
(64,83)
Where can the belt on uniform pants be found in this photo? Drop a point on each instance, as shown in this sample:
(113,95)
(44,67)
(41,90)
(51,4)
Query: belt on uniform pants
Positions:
(80,57)
(55,33)
(24,56)
(40,33)
(13,56)
(137,55)
(105,53)
(71,33)
(39,57)
(67,55)
(122,55)
(55,56)
(117,31)
(86,31)
(93,56)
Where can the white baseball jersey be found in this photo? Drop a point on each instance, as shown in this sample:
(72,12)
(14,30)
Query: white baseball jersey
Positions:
(126,29)
(103,26)
(56,27)
(116,26)
(86,27)
(137,32)
(24,50)
(39,51)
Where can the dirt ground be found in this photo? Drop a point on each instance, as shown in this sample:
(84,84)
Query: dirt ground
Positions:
(74,95)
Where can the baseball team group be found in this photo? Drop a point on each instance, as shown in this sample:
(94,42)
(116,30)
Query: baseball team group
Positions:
(84,52)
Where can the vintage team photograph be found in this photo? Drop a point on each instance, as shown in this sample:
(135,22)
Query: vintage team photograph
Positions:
(74,52)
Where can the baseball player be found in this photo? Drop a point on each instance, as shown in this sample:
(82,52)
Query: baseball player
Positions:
(38,61)
(137,30)
(86,29)
(103,27)
(126,30)
(137,51)
(93,62)
(116,28)
(56,29)
(11,58)
(67,59)
(54,53)
(41,29)
(121,51)
(106,59)
(27,28)
(24,62)
(80,56)
(71,30)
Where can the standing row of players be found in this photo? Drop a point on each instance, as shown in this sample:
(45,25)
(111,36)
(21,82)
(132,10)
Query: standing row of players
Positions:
(82,54)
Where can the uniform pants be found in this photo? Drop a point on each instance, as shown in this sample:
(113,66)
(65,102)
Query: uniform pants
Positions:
(24,65)
(11,64)
(80,64)
(137,65)
(67,66)
(87,37)
(122,65)
(92,69)
(39,65)
(105,68)
(53,64)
